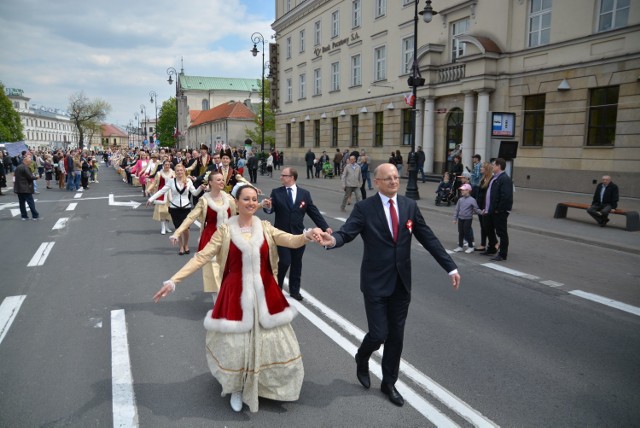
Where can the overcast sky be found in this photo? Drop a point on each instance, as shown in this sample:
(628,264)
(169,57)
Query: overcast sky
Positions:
(119,50)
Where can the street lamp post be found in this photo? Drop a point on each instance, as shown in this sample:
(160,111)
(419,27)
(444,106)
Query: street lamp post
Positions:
(415,81)
(173,72)
(154,99)
(137,140)
(255,39)
(143,110)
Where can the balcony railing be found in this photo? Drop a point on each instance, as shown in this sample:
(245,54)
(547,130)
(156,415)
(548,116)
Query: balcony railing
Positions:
(451,73)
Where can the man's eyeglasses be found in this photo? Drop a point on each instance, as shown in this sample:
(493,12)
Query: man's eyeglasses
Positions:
(286,175)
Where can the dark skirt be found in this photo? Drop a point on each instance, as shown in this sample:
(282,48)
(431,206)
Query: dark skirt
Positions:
(178,215)
(48,175)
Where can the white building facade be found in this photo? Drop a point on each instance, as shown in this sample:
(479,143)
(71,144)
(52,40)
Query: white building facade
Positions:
(566,73)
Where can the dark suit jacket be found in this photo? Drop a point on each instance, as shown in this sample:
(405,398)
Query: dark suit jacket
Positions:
(292,219)
(384,260)
(610,195)
(23,179)
(501,196)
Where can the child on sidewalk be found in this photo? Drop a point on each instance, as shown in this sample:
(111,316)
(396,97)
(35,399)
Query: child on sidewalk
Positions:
(463,215)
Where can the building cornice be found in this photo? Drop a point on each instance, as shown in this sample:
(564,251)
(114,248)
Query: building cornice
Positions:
(296,14)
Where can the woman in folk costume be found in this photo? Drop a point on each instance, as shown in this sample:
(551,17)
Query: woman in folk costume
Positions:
(229,174)
(212,210)
(149,174)
(140,165)
(251,347)
(179,202)
(161,209)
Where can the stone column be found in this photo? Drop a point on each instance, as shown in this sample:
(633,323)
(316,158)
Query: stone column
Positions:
(428,132)
(468,125)
(482,123)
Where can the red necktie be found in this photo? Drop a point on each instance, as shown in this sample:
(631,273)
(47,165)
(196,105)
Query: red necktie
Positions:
(394,219)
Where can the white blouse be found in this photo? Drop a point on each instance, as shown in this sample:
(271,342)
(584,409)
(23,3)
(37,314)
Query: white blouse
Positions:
(179,194)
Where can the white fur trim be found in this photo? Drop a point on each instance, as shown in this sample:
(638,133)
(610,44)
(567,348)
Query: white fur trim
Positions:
(252,286)
(221,210)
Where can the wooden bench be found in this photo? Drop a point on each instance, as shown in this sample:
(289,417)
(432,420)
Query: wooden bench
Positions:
(633,220)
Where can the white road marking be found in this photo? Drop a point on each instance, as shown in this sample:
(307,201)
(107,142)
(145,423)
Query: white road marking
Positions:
(41,255)
(431,386)
(60,224)
(125,412)
(9,205)
(15,212)
(197,223)
(72,206)
(132,204)
(510,271)
(342,219)
(77,196)
(552,283)
(606,301)
(8,311)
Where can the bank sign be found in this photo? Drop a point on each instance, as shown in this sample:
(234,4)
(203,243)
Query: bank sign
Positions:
(336,44)
(503,124)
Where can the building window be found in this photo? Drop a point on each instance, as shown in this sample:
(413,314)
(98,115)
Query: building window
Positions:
(355,122)
(317,82)
(381,8)
(407,55)
(458,28)
(406,127)
(288,136)
(378,136)
(288,47)
(205,104)
(335,24)
(303,86)
(356,13)
(301,133)
(317,33)
(356,71)
(287,5)
(380,63)
(613,14)
(539,22)
(301,41)
(289,90)
(334,132)
(335,76)
(603,115)
(534,120)
(316,133)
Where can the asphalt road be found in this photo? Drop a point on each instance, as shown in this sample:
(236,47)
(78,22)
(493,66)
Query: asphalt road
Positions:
(503,350)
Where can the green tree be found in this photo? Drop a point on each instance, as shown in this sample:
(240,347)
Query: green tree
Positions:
(10,124)
(165,128)
(270,121)
(86,115)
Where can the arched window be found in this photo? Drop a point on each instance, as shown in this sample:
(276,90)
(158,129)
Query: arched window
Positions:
(454,133)
(205,104)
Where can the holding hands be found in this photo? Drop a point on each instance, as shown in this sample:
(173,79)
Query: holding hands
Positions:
(168,287)
(325,238)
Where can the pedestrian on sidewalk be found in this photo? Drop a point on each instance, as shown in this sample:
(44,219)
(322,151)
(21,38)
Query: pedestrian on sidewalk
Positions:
(23,187)
(463,216)
(337,163)
(309,159)
(487,174)
(498,203)
(605,199)
(351,181)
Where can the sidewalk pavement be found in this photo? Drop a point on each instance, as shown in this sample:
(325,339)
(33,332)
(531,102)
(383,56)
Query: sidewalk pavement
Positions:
(533,211)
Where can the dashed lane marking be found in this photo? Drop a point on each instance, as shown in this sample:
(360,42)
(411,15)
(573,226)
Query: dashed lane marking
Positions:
(77,196)
(606,301)
(125,412)
(510,271)
(8,311)
(552,283)
(41,255)
(60,224)
(72,206)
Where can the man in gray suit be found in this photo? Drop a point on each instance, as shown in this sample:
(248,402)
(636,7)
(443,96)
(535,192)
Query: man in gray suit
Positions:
(387,222)
(351,181)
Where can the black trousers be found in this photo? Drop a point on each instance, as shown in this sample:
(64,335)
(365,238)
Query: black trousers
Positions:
(386,318)
(496,224)
(310,171)
(253,175)
(290,258)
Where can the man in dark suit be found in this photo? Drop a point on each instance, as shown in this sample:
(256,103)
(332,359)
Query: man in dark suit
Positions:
(387,222)
(605,199)
(291,203)
(309,157)
(498,203)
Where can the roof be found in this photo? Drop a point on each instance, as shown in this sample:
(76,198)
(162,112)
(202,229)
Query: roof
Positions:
(218,83)
(193,114)
(109,130)
(231,110)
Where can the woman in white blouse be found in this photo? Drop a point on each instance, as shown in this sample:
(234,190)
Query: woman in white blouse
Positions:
(179,204)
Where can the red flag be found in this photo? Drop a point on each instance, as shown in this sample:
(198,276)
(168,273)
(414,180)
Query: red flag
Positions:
(410,99)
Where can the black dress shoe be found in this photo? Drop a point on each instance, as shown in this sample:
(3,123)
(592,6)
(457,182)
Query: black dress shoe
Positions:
(498,258)
(392,392)
(297,296)
(488,253)
(362,371)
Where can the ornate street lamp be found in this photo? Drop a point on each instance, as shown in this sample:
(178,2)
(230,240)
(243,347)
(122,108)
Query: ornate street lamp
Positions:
(143,110)
(255,39)
(415,81)
(173,72)
(137,140)
(153,98)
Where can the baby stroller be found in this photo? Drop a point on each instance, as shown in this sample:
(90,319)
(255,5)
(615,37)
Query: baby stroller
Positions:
(445,193)
(327,170)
